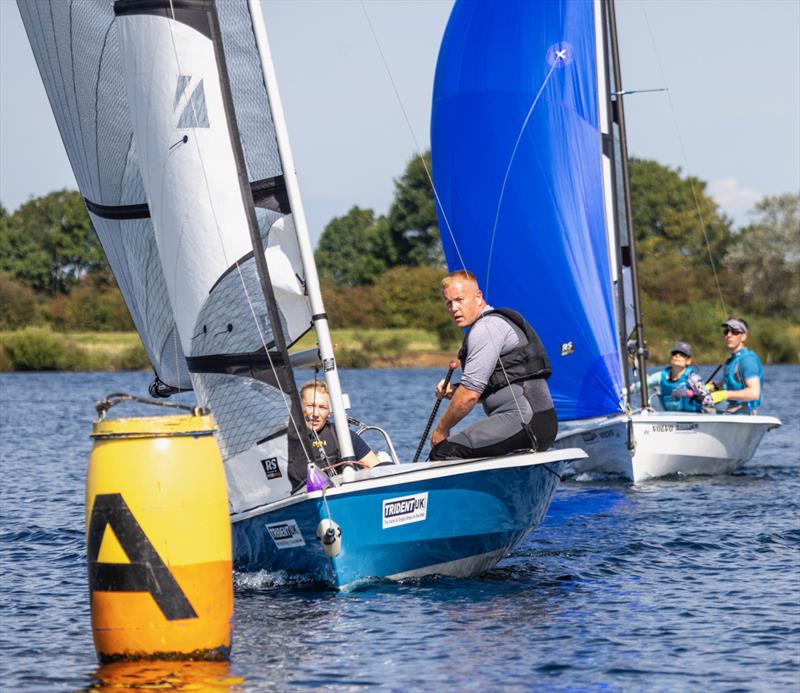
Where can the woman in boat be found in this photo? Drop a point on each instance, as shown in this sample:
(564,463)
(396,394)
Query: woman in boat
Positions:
(322,435)
(316,409)
(680,385)
(505,367)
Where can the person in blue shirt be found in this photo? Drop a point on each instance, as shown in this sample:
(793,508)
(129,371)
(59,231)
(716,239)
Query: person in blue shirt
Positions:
(743,375)
(680,385)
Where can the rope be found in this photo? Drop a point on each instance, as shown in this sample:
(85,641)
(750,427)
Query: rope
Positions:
(115,398)
(440,206)
(559,56)
(417,149)
(203,171)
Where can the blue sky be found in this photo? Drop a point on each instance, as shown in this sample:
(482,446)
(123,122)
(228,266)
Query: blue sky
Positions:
(732,115)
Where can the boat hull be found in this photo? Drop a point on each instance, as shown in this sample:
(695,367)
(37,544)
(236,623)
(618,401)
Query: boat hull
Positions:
(666,444)
(690,444)
(605,441)
(445,518)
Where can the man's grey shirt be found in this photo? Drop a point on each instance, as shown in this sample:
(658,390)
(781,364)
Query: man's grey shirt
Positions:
(490,337)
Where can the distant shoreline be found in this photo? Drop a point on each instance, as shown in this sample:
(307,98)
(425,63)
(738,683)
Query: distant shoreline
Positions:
(40,349)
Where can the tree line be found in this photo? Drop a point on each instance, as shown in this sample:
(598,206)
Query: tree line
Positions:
(688,251)
(382,270)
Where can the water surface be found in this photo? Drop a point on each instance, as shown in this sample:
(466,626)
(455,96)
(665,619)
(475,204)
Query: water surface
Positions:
(669,585)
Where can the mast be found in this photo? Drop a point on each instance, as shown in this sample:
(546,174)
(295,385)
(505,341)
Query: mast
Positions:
(319,317)
(641,353)
(613,222)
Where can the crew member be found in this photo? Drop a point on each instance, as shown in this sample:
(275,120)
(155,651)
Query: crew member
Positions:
(505,367)
(680,385)
(316,409)
(743,375)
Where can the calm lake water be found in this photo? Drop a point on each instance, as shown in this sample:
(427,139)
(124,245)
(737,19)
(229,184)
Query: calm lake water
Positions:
(670,585)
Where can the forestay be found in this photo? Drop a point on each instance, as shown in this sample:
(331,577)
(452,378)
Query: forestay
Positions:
(518,164)
(76,49)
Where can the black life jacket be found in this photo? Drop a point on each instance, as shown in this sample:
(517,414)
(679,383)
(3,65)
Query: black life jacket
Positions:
(325,447)
(525,362)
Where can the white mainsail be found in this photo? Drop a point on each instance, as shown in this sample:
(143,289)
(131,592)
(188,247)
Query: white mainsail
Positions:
(198,141)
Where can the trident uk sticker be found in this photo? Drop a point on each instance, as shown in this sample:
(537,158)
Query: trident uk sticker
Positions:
(286,535)
(405,510)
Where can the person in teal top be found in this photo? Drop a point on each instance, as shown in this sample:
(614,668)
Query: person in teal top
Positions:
(743,375)
(680,385)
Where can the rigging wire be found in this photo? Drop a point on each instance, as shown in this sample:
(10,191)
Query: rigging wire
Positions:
(703,224)
(417,149)
(559,56)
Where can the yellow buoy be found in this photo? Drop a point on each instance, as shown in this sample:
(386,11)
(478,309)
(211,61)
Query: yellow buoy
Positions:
(158,539)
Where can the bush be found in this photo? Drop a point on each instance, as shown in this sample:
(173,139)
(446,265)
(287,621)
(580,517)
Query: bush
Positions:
(352,306)
(347,357)
(132,359)
(412,297)
(6,364)
(391,345)
(17,303)
(39,349)
(93,307)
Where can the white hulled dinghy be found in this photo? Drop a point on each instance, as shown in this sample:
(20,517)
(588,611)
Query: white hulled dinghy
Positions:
(170,114)
(530,171)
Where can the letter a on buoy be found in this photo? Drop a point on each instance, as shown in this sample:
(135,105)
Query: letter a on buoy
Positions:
(158,540)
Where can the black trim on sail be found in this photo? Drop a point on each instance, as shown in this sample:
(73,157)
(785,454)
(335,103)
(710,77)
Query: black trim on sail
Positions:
(193,13)
(608,146)
(268,193)
(118,212)
(230,269)
(272,371)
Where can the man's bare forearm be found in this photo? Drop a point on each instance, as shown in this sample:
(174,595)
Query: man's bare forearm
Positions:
(462,404)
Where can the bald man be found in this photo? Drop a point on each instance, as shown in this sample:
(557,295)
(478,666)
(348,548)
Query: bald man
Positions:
(505,367)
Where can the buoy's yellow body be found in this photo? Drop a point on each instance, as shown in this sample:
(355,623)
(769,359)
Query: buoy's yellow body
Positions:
(158,539)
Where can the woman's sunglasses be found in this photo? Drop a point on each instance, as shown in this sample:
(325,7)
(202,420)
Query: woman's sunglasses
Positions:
(730,330)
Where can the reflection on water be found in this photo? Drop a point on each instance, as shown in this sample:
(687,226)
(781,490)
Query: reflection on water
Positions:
(165,675)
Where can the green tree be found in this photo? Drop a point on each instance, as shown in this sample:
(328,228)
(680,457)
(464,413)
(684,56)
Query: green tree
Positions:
(354,249)
(413,224)
(671,213)
(412,297)
(672,217)
(49,243)
(764,260)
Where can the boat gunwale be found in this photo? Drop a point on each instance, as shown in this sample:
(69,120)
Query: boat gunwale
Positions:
(421,471)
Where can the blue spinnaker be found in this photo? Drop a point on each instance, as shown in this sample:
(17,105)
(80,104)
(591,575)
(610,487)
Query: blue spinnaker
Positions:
(517,164)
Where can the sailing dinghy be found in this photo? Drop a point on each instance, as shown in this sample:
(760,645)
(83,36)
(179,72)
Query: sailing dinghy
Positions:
(171,117)
(530,171)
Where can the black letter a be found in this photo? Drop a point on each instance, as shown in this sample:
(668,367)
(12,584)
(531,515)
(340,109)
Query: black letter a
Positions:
(146,572)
